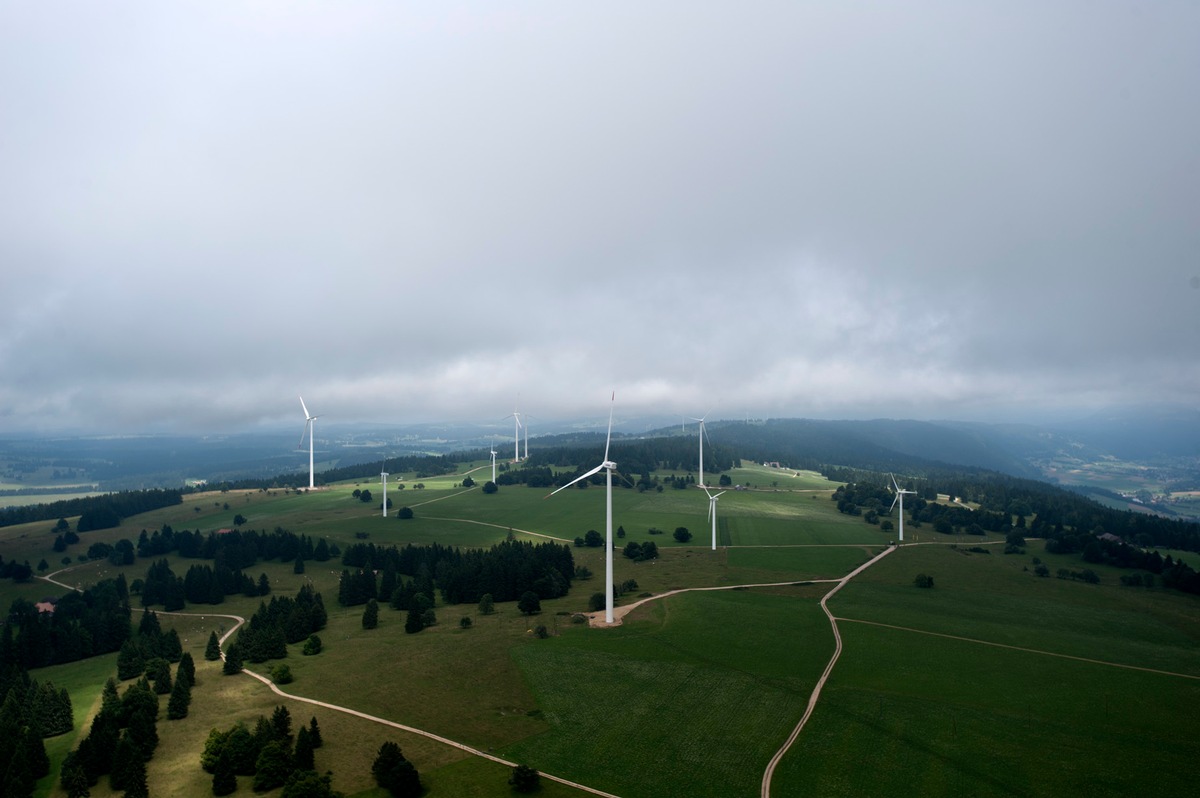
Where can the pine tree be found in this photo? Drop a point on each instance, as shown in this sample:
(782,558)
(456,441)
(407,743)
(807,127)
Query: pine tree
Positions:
(74,778)
(181,699)
(273,766)
(281,725)
(233,660)
(413,623)
(186,671)
(135,785)
(314,732)
(370,616)
(395,773)
(212,652)
(304,750)
(130,663)
(224,781)
(159,671)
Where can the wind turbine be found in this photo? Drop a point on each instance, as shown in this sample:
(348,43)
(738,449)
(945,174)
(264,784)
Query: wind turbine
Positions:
(493,450)
(516,417)
(608,467)
(712,513)
(703,435)
(308,430)
(526,426)
(900,498)
(383,475)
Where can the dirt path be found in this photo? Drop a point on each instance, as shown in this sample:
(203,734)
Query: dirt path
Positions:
(816,693)
(238,621)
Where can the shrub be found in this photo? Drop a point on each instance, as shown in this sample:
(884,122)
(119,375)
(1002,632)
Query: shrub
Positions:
(923,580)
(312,646)
(682,534)
(282,674)
(464,622)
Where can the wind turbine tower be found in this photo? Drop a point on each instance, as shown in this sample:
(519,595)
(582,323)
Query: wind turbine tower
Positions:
(608,467)
(703,435)
(308,430)
(900,498)
(383,475)
(493,462)
(712,513)
(516,417)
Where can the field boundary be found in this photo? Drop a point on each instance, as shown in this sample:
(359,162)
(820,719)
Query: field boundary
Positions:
(1022,648)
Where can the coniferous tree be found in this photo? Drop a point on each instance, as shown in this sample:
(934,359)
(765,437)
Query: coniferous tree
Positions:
(281,725)
(273,766)
(123,757)
(181,699)
(394,773)
(159,671)
(224,781)
(212,652)
(73,777)
(314,732)
(370,616)
(233,660)
(304,750)
(413,623)
(130,663)
(186,671)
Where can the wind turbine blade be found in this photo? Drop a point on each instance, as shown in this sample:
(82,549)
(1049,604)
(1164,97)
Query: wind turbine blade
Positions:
(608,439)
(306,413)
(722,493)
(710,510)
(595,470)
(894,502)
(307,427)
(894,484)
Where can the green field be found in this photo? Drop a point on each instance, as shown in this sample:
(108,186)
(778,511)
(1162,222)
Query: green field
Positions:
(694,693)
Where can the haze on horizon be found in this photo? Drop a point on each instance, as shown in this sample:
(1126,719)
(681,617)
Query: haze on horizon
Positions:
(412,212)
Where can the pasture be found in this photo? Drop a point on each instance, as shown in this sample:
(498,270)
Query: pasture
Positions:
(710,682)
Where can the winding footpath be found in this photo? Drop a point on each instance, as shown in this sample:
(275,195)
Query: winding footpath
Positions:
(816,693)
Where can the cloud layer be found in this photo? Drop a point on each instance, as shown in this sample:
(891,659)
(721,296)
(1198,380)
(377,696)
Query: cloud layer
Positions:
(417,212)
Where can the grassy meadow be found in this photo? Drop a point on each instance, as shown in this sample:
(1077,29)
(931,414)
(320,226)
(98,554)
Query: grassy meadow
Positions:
(692,694)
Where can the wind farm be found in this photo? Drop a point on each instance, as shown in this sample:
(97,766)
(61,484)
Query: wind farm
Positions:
(712,643)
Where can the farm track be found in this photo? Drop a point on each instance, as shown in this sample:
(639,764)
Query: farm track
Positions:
(816,693)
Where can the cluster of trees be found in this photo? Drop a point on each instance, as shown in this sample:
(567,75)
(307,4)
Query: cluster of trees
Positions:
(29,712)
(394,773)
(640,552)
(122,738)
(277,624)
(202,585)
(16,571)
(271,754)
(236,548)
(83,624)
(151,643)
(506,570)
(95,512)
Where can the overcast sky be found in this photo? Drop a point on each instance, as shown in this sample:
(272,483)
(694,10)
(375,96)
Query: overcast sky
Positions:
(417,211)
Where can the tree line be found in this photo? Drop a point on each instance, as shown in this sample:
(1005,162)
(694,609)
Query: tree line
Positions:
(95,512)
(506,570)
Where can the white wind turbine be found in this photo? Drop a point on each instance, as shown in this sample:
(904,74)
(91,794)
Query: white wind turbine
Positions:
(608,467)
(900,498)
(493,450)
(712,513)
(526,426)
(308,430)
(703,435)
(383,475)
(516,417)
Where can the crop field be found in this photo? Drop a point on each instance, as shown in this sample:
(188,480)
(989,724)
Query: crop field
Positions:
(693,693)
